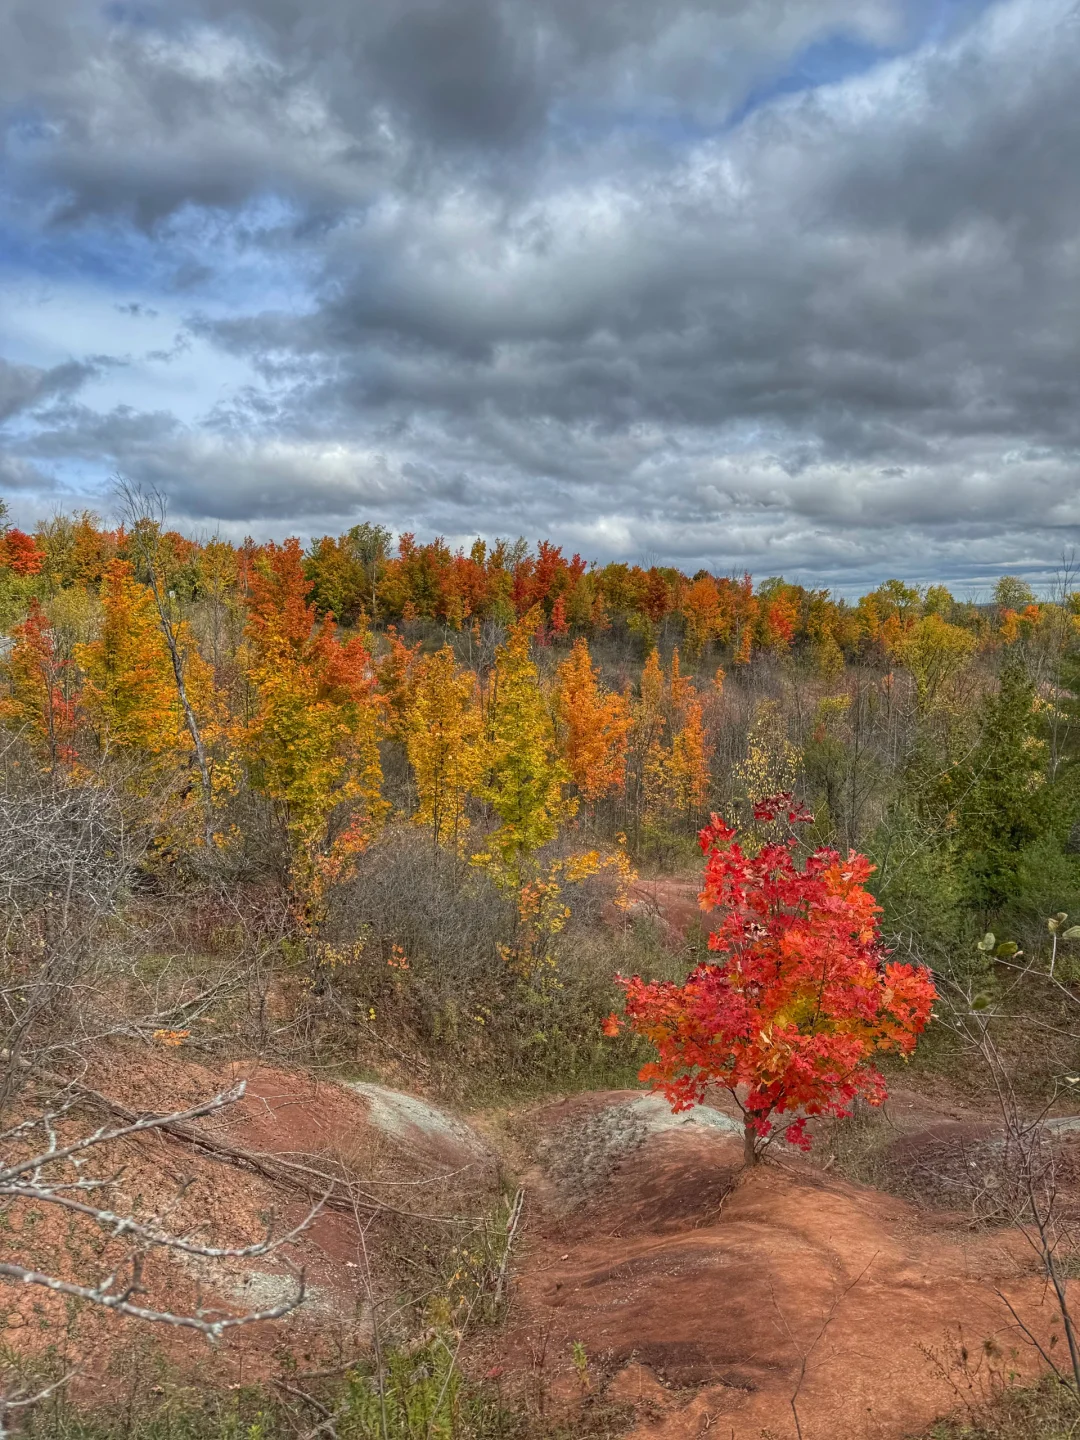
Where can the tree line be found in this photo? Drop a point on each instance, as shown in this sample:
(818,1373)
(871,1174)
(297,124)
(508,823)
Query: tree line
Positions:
(507,700)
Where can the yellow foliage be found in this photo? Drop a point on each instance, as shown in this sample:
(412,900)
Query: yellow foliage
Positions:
(444,742)
(688,763)
(935,652)
(312,744)
(543,910)
(674,777)
(772,762)
(524,778)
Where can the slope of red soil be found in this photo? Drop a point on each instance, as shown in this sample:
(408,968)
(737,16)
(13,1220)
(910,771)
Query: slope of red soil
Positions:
(672,902)
(783,1301)
(283,1114)
(712,1299)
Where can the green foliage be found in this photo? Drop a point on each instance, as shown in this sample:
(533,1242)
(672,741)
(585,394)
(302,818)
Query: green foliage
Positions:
(417,1397)
(938,601)
(345,572)
(16,592)
(1011,815)
(917,885)
(245,1414)
(998,794)
(980,843)
(827,765)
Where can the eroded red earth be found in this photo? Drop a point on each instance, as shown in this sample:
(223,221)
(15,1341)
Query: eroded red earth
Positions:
(651,1269)
(716,1300)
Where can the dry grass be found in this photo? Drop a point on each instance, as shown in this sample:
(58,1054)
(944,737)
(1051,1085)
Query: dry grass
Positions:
(1047,1411)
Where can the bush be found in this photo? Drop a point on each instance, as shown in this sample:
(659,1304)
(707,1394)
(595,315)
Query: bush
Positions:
(421,949)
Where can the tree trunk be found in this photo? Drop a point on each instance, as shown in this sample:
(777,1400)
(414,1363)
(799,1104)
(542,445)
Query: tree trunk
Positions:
(749,1144)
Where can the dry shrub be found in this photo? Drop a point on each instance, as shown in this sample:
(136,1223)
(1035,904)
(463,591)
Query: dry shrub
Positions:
(460,1004)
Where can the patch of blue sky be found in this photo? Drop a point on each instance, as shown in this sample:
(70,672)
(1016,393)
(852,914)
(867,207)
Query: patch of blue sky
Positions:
(842,55)
(826,62)
(201,261)
(139,338)
(112,257)
(829,60)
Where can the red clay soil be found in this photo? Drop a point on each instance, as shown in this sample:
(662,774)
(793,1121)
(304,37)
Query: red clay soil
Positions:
(710,1299)
(282,1114)
(707,1299)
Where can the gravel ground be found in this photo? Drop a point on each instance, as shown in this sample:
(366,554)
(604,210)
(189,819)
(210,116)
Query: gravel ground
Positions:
(581,1153)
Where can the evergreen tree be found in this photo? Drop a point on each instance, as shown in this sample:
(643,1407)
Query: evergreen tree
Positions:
(1003,803)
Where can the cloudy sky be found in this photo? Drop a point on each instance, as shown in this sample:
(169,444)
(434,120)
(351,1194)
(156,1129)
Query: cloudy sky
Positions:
(781,284)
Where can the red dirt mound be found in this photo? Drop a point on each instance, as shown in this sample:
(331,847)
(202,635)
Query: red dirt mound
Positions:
(716,1300)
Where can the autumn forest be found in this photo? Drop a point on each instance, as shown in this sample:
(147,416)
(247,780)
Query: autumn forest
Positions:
(383,812)
(509,699)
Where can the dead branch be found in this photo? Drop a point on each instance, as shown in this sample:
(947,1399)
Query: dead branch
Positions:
(336,1193)
(511,1232)
(42,1177)
(120,1301)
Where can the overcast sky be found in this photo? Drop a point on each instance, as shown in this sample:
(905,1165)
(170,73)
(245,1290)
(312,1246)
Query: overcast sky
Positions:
(789,285)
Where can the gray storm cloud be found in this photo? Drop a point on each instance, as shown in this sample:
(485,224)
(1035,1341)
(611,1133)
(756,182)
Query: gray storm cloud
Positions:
(567,269)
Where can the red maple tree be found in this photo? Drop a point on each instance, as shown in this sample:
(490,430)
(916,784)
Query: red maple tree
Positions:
(19,552)
(801,996)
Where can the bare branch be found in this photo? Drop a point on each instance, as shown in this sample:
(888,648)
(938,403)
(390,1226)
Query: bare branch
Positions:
(120,1304)
(139,1126)
(124,1225)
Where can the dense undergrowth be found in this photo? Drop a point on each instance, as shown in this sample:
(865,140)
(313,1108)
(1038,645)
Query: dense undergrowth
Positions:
(1047,1411)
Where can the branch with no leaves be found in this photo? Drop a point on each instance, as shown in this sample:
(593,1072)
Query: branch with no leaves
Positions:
(53,1176)
(120,1301)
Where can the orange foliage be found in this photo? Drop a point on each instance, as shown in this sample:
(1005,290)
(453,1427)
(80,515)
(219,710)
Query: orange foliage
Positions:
(595,727)
(701,613)
(397,682)
(20,554)
(129,689)
(42,699)
(312,743)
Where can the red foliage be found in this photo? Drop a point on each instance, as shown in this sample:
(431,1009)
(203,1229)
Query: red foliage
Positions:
(560,626)
(20,554)
(803,994)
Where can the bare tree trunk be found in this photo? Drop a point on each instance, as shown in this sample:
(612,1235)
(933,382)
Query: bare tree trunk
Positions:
(190,718)
(749,1144)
